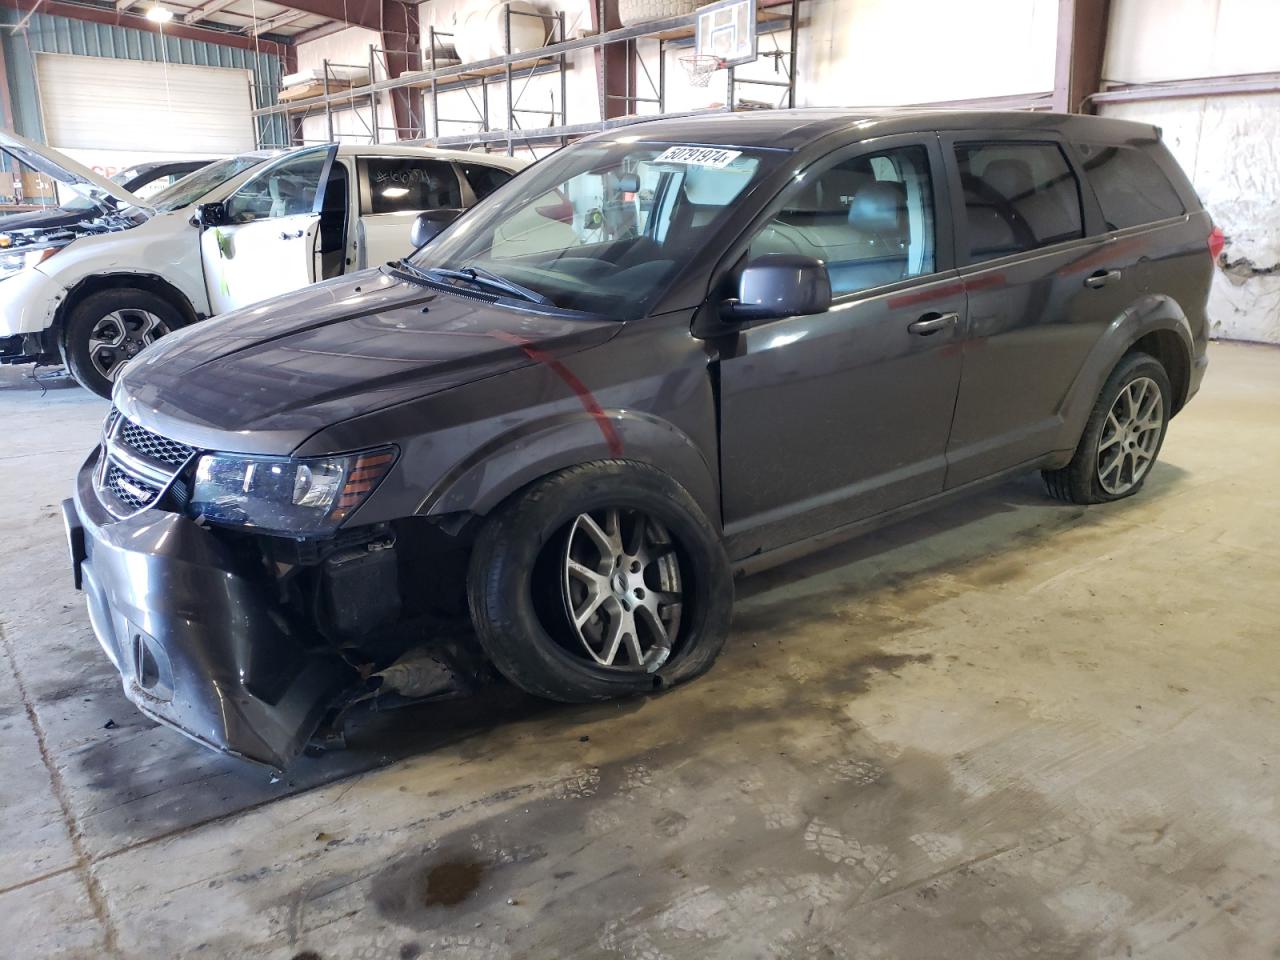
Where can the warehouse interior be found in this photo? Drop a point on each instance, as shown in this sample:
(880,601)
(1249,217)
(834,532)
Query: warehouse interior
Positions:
(1005,727)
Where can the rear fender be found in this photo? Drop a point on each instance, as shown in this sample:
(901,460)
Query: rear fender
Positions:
(1148,314)
(515,459)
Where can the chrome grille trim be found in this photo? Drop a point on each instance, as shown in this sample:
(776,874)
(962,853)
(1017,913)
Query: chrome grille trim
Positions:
(152,445)
(128,490)
(136,466)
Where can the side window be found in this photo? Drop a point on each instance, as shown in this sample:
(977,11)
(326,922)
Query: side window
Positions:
(282,190)
(483,179)
(1017,197)
(397,184)
(1130,186)
(869,219)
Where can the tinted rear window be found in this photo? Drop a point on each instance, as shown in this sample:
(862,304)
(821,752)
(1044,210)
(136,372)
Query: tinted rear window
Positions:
(484,180)
(412,183)
(1017,197)
(1130,186)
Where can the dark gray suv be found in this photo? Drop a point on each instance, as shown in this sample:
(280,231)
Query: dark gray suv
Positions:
(663,355)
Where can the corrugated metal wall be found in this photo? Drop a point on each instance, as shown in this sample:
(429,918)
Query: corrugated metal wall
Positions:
(45,34)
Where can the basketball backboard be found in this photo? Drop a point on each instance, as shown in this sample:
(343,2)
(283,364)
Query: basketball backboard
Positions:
(727,30)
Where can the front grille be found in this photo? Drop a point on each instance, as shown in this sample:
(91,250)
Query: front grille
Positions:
(134,492)
(138,466)
(152,445)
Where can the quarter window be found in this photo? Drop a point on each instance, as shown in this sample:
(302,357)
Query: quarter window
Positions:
(868,218)
(1130,186)
(1017,197)
(484,179)
(397,184)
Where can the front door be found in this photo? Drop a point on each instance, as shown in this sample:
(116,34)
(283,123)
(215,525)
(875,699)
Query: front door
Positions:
(832,418)
(268,242)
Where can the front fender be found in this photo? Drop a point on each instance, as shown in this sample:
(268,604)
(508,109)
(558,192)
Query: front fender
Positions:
(165,248)
(1147,314)
(533,450)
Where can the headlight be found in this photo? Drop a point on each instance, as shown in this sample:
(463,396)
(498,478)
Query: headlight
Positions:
(281,495)
(15,261)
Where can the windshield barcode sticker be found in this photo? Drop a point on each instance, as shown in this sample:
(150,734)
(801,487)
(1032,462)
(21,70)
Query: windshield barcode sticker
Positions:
(698,156)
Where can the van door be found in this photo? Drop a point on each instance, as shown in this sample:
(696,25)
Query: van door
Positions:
(1023,254)
(393,191)
(836,417)
(268,241)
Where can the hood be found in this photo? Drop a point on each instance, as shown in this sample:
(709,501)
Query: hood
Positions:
(43,219)
(74,175)
(265,378)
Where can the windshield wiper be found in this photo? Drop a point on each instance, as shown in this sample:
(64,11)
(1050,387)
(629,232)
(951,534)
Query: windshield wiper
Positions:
(413,270)
(483,278)
(474,275)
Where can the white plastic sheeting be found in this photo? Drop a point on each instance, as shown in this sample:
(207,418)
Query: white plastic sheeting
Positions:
(1230,147)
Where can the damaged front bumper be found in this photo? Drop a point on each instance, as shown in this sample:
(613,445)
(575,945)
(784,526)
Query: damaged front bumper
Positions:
(198,641)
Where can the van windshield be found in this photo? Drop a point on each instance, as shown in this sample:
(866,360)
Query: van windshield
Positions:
(194,186)
(602,227)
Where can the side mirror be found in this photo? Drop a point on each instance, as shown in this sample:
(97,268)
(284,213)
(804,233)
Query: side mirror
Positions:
(429,225)
(780,285)
(212,214)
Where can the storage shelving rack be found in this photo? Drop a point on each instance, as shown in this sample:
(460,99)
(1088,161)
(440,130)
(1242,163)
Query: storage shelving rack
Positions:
(510,68)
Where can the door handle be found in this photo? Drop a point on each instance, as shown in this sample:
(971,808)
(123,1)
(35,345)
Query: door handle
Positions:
(931,323)
(1101,278)
(285,235)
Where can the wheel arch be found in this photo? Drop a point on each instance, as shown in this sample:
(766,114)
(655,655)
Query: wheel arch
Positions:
(1174,355)
(513,460)
(1155,324)
(121,280)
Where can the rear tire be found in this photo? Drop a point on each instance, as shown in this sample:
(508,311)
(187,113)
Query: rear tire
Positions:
(1122,437)
(107,329)
(538,565)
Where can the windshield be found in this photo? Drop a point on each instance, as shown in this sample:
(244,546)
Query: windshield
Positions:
(602,227)
(191,188)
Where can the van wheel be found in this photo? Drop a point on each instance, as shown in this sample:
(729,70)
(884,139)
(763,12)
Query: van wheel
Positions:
(600,581)
(1122,438)
(106,330)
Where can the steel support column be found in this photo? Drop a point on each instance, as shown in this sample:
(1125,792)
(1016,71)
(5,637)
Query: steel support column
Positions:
(1082,43)
(613,62)
(6,101)
(402,45)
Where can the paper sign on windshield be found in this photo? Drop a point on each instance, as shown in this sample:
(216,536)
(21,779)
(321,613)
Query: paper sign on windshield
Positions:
(698,156)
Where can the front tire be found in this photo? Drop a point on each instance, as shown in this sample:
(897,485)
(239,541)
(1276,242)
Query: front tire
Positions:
(107,329)
(1122,437)
(601,581)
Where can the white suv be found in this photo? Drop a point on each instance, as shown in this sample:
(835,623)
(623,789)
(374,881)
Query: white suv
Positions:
(235,232)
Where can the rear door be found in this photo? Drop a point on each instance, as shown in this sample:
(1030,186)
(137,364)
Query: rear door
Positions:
(831,418)
(1024,258)
(393,191)
(268,244)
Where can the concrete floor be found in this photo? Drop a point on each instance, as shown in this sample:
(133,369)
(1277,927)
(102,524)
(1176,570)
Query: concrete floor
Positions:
(1010,728)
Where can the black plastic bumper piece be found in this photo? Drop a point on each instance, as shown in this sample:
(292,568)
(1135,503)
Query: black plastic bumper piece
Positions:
(195,638)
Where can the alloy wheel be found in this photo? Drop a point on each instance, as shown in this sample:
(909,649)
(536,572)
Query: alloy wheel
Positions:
(622,588)
(120,336)
(1131,436)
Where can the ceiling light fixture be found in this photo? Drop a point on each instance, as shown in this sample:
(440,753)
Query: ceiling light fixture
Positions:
(159,14)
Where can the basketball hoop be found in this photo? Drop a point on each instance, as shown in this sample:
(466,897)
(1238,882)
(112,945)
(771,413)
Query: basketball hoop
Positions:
(700,67)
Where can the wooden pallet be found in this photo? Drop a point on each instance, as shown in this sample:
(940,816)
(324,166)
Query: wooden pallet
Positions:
(517,69)
(305,91)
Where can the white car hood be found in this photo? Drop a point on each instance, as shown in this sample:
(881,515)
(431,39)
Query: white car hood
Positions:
(75,175)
